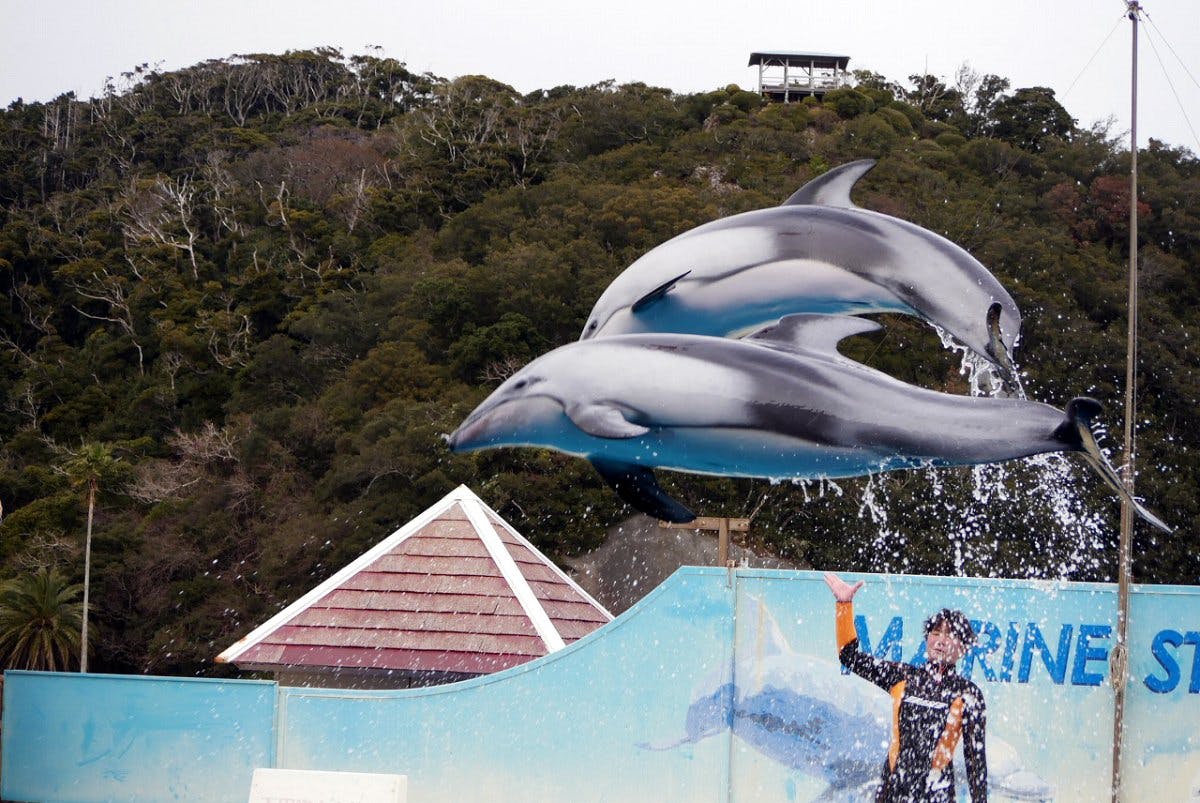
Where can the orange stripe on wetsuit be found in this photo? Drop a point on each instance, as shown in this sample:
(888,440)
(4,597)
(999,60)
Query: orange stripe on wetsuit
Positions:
(844,617)
(897,693)
(944,751)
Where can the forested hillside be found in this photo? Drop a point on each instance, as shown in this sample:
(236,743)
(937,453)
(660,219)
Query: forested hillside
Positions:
(244,300)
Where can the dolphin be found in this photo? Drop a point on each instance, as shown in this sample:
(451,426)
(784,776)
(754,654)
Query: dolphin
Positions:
(818,252)
(780,404)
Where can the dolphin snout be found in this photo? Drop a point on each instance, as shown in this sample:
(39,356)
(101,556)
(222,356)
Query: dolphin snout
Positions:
(471,434)
(506,421)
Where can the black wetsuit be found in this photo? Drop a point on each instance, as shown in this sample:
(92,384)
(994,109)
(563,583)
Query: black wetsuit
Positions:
(930,712)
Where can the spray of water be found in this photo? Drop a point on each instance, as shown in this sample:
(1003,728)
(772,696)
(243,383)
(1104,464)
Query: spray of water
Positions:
(980,372)
(1024,518)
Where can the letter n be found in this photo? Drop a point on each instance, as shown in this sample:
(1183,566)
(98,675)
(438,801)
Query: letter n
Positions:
(1056,665)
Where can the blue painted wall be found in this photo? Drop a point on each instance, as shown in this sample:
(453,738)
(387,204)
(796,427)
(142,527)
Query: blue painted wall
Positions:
(72,737)
(718,686)
(571,727)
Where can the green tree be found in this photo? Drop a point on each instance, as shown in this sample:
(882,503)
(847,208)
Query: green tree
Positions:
(92,466)
(1030,116)
(40,621)
(934,99)
(987,94)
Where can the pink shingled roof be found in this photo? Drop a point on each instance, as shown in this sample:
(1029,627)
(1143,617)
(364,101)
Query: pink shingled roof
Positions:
(457,589)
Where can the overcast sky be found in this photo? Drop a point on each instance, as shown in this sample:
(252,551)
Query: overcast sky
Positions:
(50,47)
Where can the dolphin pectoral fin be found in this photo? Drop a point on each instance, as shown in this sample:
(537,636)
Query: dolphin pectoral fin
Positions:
(603,421)
(1077,432)
(812,331)
(657,294)
(638,487)
(832,188)
(997,350)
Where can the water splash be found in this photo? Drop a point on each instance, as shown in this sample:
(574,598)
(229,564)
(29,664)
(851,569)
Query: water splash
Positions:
(1023,518)
(824,485)
(979,371)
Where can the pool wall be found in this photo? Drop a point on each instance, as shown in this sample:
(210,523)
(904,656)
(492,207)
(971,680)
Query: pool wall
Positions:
(718,686)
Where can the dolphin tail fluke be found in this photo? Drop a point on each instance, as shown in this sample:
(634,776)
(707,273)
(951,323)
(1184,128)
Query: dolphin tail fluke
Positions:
(638,487)
(1076,431)
(832,188)
(998,351)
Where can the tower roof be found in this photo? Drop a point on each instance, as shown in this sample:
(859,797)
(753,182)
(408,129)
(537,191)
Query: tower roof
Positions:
(457,589)
(826,61)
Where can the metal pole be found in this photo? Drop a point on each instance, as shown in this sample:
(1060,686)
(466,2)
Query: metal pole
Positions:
(1120,656)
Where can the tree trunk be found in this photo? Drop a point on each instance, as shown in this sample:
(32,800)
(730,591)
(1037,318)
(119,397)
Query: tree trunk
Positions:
(87,578)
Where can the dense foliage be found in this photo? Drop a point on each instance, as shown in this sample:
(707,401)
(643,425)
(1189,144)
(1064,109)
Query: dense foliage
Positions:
(267,284)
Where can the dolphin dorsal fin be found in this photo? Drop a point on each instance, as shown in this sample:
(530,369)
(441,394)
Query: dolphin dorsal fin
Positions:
(832,188)
(812,331)
(761,626)
(657,293)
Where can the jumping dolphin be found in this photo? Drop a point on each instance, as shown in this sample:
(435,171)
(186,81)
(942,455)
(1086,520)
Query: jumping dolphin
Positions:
(781,404)
(818,252)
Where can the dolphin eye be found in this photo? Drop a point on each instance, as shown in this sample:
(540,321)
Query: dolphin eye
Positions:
(592,324)
(520,384)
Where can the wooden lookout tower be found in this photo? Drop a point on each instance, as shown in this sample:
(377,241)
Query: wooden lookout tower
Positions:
(784,76)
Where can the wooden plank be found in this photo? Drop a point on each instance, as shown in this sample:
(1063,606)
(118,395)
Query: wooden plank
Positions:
(405,659)
(419,601)
(368,640)
(708,523)
(410,621)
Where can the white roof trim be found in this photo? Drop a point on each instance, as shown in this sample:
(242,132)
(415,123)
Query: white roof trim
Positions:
(566,578)
(473,506)
(345,573)
(513,576)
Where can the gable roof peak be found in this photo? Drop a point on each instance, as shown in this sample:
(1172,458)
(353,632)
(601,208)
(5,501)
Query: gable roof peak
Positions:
(428,565)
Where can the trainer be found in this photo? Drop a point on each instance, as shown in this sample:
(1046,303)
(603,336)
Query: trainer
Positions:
(933,707)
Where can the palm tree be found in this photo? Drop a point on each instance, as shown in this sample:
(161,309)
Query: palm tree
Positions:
(39,621)
(90,466)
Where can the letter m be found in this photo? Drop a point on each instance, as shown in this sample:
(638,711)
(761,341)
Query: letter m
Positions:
(889,646)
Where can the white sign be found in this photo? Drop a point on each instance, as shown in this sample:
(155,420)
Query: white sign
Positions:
(314,786)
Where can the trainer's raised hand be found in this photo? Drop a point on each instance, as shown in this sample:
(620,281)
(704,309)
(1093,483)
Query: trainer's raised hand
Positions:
(842,591)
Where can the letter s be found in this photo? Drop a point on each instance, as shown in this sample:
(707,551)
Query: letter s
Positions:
(1166,660)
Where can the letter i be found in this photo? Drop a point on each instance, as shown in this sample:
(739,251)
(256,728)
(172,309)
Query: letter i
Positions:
(1011,640)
